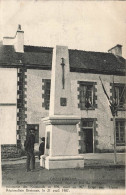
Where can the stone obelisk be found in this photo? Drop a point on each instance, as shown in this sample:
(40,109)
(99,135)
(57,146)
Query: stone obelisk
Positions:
(61,125)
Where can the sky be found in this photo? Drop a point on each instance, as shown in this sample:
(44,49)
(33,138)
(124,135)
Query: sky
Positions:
(84,25)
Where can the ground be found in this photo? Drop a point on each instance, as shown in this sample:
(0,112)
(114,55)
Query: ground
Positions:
(15,175)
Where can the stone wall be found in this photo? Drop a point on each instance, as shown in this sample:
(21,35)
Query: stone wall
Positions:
(21,107)
(35,110)
(104,137)
(31,111)
(104,125)
(11,151)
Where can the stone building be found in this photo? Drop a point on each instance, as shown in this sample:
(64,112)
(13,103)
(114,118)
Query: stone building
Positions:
(25,80)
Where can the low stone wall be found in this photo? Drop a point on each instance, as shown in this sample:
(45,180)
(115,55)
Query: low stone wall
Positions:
(10,151)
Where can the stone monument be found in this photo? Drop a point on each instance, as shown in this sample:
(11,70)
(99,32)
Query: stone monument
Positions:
(61,126)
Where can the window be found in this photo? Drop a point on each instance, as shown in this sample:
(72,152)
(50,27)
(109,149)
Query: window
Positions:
(120,95)
(86,124)
(86,95)
(46,95)
(120,132)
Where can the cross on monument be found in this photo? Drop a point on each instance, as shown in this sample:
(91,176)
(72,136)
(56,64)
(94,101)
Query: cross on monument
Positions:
(63,79)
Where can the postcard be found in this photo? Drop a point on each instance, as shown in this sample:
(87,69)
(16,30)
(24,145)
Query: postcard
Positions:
(62,97)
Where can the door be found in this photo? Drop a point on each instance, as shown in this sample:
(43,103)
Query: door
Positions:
(88,140)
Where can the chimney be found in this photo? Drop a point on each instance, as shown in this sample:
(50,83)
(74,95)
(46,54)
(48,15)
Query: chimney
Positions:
(17,40)
(117,50)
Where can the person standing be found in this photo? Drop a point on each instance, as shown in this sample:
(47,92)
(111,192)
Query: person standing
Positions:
(42,147)
(29,148)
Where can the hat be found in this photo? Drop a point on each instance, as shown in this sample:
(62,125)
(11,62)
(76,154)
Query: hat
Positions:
(43,138)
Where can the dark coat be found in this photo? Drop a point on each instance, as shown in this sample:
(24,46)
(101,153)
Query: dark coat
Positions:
(29,143)
(42,148)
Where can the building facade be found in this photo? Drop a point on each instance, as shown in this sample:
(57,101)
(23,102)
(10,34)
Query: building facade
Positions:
(25,80)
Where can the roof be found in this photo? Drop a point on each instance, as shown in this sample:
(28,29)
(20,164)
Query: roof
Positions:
(38,55)
(96,62)
(80,61)
(7,55)
(32,56)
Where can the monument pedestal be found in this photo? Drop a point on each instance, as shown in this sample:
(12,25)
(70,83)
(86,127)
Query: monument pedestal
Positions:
(63,162)
(62,143)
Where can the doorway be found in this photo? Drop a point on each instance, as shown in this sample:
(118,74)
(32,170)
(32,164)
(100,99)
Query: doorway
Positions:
(88,140)
(86,136)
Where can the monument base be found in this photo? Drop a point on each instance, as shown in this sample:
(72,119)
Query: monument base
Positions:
(62,162)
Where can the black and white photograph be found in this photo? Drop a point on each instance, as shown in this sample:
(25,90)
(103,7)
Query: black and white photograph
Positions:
(62,97)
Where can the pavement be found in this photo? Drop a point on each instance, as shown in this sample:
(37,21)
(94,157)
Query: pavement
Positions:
(99,172)
(15,176)
(91,160)
(20,160)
